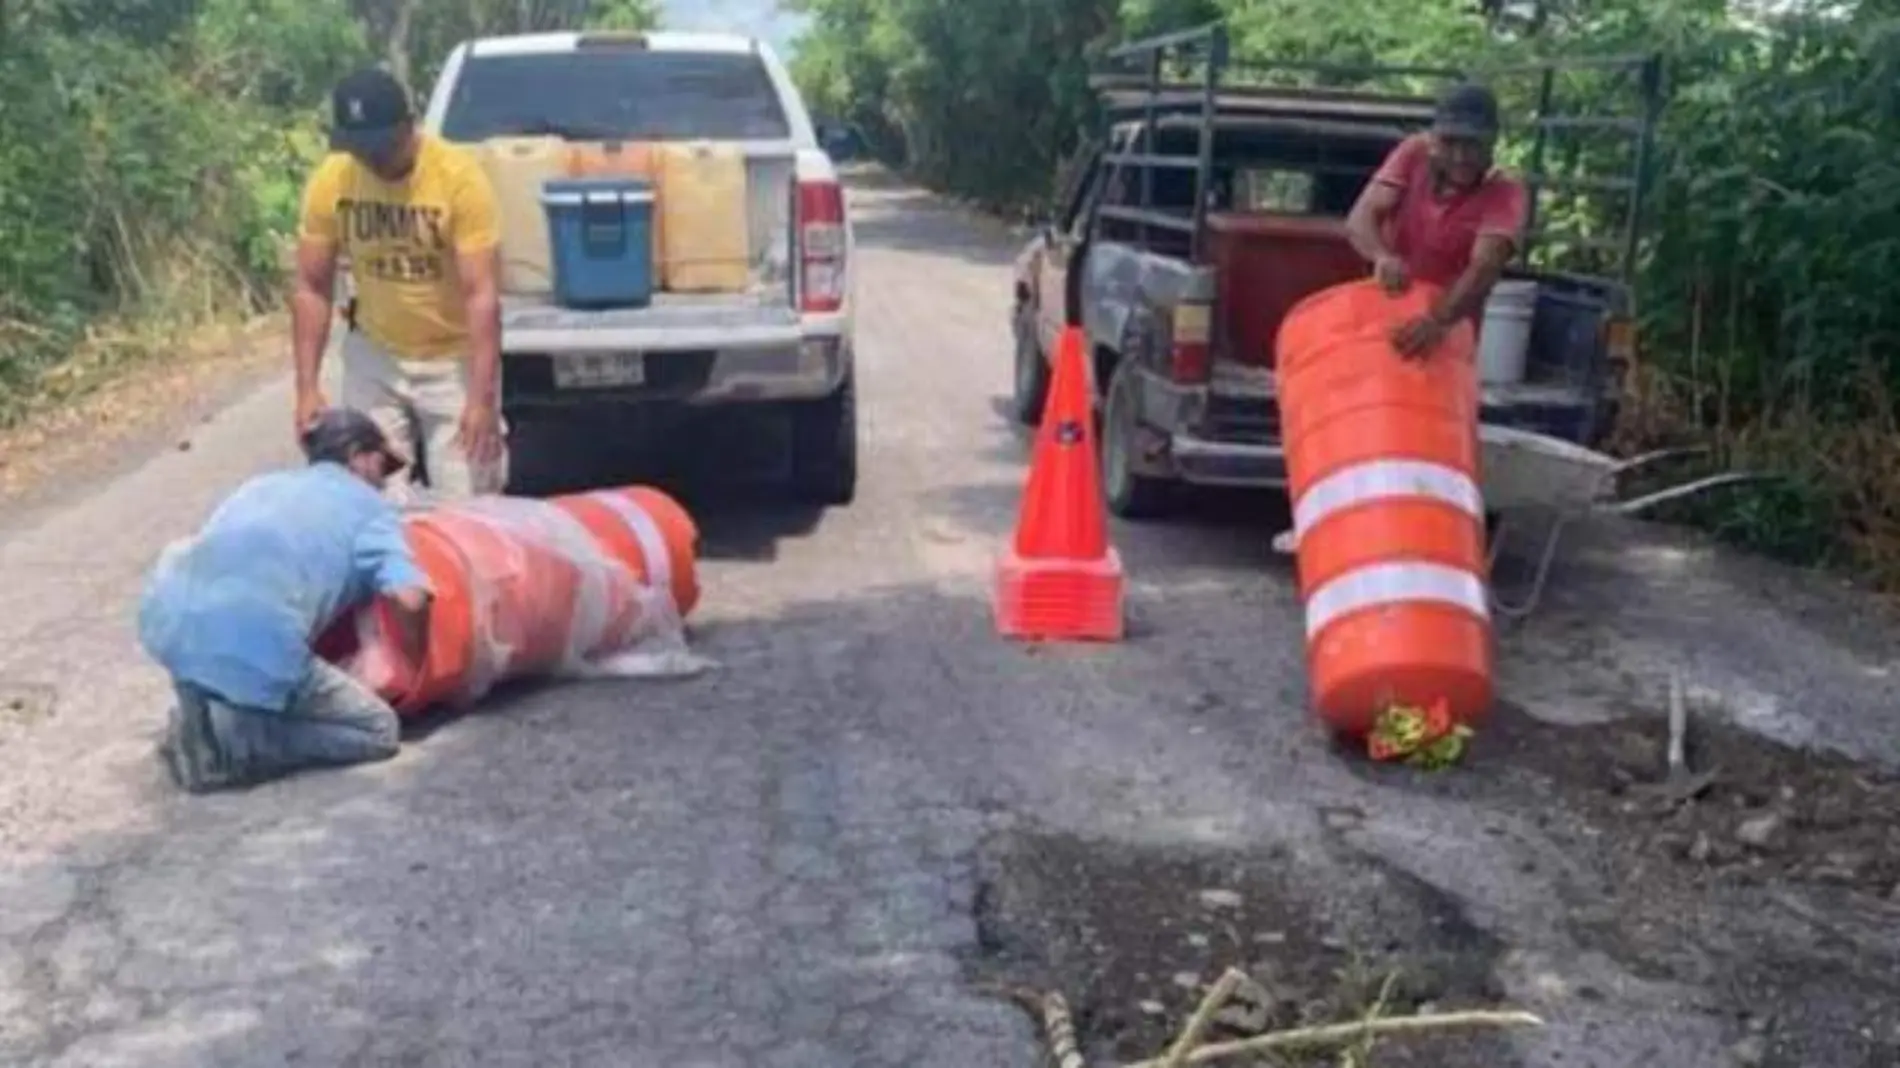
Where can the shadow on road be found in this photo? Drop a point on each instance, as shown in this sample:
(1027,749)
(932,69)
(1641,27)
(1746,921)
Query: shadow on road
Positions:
(729,472)
(748,527)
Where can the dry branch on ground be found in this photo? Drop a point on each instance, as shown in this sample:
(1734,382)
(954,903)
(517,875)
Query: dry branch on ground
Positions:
(1051,1010)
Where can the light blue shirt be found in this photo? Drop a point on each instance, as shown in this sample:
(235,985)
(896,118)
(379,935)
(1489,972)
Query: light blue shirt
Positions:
(234,610)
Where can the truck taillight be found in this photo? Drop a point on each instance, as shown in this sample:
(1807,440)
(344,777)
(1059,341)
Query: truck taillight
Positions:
(1191,360)
(821,277)
(1619,340)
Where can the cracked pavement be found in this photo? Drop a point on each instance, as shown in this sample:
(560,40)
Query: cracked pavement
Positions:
(775,864)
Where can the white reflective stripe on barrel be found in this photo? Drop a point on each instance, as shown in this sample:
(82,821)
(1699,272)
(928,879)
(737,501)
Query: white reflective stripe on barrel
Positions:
(1385,478)
(1378,585)
(647,533)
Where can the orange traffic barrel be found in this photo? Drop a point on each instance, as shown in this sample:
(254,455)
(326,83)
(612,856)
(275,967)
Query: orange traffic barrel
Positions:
(646,530)
(651,535)
(522,587)
(450,655)
(1383,470)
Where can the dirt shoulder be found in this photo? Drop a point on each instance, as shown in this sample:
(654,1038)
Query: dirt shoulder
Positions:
(64,450)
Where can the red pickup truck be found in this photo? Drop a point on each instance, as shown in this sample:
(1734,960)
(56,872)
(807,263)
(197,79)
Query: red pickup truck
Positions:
(1207,210)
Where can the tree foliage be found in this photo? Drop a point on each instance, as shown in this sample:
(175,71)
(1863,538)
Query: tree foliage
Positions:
(980,97)
(417,34)
(150,151)
(153,152)
(1772,221)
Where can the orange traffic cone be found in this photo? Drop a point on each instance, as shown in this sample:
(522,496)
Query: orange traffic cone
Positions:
(1061,579)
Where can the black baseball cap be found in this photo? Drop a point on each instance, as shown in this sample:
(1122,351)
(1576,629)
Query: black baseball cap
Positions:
(340,433)
(368,110)
(1467,110)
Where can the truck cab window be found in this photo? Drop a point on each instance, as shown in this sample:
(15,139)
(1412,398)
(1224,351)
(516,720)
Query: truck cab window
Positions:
(616,94)
(1273,190)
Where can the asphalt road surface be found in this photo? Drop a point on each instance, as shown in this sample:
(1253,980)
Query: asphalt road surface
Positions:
(798,858)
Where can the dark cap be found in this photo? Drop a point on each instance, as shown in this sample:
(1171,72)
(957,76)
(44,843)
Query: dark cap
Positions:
(341,433)
(1467,110)
(368,110)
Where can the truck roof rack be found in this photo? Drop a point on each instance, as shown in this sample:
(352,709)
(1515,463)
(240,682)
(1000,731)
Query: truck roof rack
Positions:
(1126,95)
(1159,81)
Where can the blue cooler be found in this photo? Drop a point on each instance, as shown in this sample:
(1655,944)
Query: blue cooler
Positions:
(600,234)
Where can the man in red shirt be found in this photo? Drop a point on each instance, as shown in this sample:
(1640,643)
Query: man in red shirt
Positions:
(1439,212)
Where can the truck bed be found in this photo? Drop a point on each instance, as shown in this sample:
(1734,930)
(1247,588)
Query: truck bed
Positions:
(763,314)
(1265,264)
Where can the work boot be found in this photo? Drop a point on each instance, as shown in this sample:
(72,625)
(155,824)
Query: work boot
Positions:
(190,751)
(168,753)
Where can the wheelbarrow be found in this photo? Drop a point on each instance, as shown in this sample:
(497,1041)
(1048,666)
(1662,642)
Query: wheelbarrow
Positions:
(1529,474)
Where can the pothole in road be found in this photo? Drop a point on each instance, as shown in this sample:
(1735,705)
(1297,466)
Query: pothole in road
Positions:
(1775,886)
(1131,934)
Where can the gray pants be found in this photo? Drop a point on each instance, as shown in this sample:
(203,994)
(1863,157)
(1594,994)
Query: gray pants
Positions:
(332,720)
(418,403)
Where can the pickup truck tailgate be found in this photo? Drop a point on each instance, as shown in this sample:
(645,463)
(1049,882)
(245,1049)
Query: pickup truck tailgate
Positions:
(671,322)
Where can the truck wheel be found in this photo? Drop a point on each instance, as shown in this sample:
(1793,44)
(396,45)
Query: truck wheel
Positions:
(825,447)
(1130,495)
(1031,390)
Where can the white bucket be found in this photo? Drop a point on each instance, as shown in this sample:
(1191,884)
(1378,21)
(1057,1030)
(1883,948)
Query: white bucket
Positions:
(1504,340)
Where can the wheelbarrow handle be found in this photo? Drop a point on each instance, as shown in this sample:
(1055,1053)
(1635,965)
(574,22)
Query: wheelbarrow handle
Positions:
(1686,489)
(1634,463)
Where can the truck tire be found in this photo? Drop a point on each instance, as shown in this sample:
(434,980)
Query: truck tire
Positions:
(825,447)
(1129,495)
(1031,389)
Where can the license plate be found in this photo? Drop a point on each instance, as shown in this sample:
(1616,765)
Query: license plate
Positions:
(599,370)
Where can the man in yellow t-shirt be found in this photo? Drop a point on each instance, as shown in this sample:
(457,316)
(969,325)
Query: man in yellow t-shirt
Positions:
(417,220)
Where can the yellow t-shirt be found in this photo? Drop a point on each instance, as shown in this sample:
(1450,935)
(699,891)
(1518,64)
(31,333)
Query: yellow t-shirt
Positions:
(402,240)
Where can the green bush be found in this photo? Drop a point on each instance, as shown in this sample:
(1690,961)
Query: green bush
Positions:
(149,157)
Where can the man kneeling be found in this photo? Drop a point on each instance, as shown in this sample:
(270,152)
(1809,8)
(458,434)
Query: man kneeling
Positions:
(231,614)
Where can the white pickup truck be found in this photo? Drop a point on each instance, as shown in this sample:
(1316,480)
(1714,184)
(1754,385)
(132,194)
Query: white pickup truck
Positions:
(788,341)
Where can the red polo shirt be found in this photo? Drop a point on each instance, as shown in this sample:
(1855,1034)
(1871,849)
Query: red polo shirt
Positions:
(1434,234)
